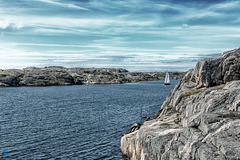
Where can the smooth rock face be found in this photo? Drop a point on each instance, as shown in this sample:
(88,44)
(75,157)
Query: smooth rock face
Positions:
(194,123)
(57,75)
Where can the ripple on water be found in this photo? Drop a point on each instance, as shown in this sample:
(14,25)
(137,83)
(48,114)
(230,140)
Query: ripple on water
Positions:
(74,122)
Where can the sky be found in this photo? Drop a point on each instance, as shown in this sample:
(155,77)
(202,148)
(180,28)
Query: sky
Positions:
(138,35)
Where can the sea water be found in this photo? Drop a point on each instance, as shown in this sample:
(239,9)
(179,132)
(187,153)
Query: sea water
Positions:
(73,122)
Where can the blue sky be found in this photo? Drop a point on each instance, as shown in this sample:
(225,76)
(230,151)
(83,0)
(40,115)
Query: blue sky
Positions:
(139,35)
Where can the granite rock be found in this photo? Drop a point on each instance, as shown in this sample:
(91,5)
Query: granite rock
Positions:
(10,77)
(199,119)
(45,76)
(218,70)
(57,75)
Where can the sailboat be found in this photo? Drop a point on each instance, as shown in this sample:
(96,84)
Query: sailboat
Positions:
(167,80)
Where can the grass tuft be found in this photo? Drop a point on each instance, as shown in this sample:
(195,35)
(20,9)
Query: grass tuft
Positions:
(187,79)
(172,109)
(231,115)
(219,86)
(189,93)
(166,124)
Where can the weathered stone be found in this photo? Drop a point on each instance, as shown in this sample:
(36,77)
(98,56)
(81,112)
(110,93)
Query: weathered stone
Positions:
(10,77)
(46,76)
(195,122)
(218,70)
(57,75)
(235,106)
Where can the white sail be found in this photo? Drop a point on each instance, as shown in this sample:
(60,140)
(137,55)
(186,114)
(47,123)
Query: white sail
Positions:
(167,80)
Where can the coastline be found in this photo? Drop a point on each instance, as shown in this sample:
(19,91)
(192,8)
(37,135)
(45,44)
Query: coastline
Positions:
(200,118)
(59,76)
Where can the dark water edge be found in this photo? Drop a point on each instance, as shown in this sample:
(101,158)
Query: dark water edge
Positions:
(73,122)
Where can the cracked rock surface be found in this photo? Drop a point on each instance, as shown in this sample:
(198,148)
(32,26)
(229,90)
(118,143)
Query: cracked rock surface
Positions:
(200,118)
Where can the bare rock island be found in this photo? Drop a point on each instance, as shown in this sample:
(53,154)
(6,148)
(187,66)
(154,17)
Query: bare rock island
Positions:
(200,118)
(57,75)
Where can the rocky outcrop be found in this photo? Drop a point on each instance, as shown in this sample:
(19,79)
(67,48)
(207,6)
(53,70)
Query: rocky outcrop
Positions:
(200,118)
(10,77)
(57,75)
(218,70)
(45,76)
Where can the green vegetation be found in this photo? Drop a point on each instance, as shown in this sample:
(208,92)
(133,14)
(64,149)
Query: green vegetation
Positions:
(166,124)
(231,115)
(235,61)
(172,109)
(219,86)
(189,93)
(187,79)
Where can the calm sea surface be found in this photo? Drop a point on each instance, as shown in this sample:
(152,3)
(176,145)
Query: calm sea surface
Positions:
(73,122)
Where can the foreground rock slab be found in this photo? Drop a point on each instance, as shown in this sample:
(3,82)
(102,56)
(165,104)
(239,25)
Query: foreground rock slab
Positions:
(200,118)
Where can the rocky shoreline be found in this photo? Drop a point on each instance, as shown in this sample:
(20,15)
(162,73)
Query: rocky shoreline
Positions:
(57,75)
(200,118)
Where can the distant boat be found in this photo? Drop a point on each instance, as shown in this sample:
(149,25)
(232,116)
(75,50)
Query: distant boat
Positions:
(167,80)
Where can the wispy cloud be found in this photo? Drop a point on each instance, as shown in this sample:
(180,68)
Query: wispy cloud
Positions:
(226,5)
(69,5)
(141,34)
(54,23)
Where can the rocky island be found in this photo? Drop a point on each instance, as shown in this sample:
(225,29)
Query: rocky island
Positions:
(57,75)
(200,118)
